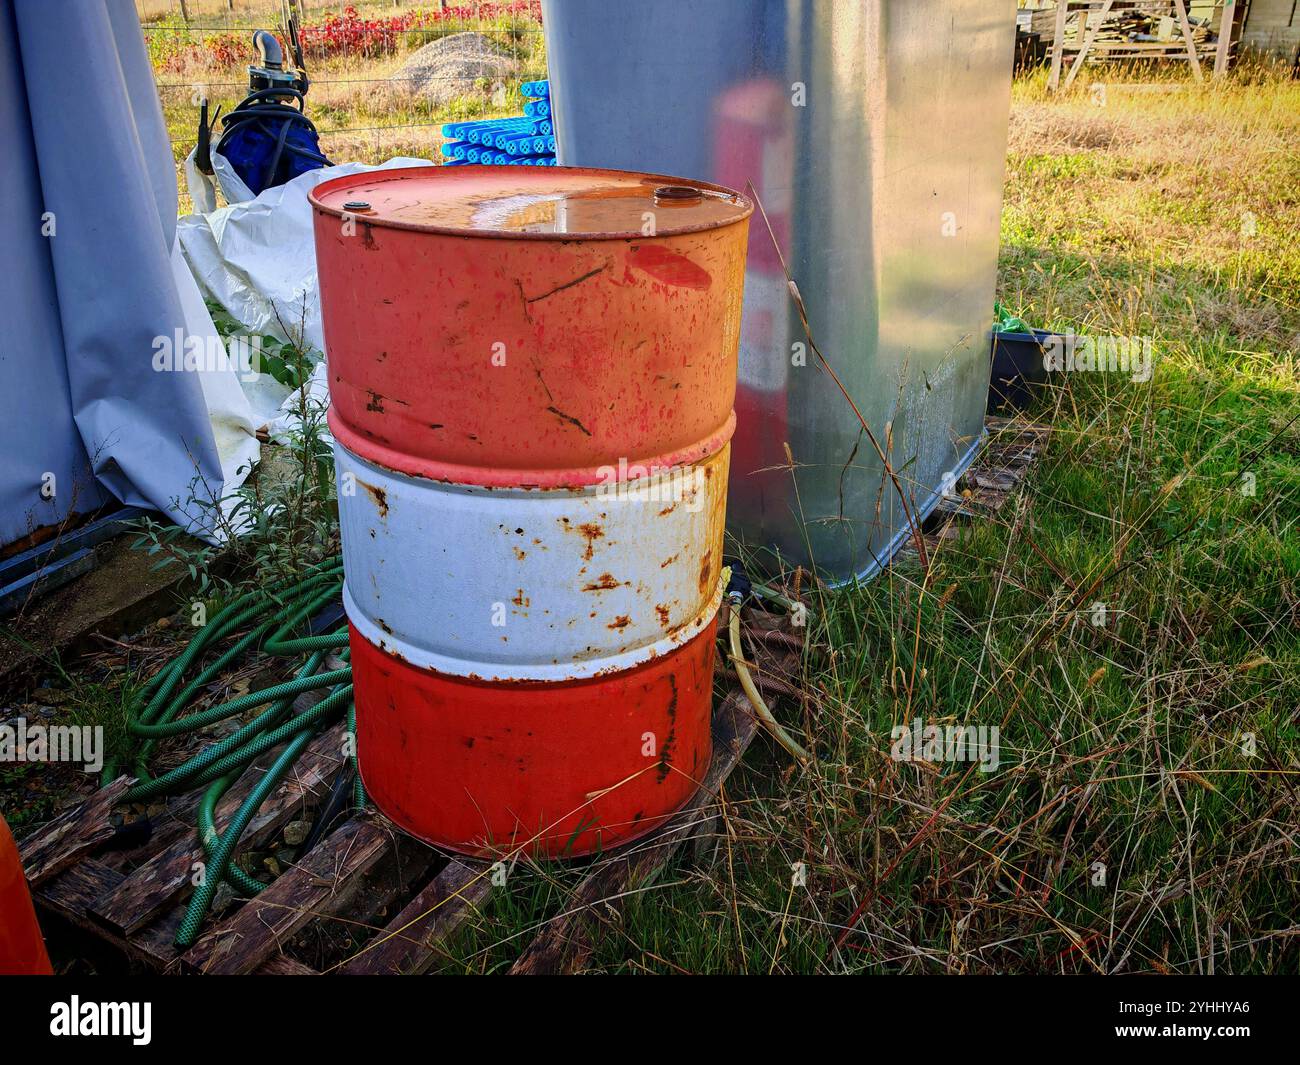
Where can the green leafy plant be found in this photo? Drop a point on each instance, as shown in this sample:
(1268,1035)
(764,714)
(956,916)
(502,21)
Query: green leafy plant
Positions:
(283,517)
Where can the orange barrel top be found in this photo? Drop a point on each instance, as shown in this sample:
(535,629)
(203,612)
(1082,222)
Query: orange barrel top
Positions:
(529,326)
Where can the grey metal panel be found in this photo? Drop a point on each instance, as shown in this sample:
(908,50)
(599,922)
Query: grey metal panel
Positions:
(1272,26)
(884,185)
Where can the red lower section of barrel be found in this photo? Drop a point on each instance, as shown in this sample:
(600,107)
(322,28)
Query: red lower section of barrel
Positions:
(22,950)
(555,769)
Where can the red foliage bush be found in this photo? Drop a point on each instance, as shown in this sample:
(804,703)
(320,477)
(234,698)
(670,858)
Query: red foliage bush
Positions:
(346,33)
(352,34)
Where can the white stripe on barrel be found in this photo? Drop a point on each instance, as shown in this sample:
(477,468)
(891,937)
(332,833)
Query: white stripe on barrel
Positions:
(531,584)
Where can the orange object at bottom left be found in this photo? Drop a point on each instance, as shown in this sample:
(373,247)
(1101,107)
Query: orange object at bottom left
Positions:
(22,950)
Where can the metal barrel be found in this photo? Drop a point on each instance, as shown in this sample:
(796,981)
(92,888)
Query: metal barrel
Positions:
(532,374)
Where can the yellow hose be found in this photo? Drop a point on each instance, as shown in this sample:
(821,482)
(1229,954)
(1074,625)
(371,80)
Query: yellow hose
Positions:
(755,699)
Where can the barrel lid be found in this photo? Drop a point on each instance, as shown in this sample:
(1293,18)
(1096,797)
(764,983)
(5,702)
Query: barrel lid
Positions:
(539,202)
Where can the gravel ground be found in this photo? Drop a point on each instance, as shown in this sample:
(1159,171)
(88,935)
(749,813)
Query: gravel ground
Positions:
(450,67)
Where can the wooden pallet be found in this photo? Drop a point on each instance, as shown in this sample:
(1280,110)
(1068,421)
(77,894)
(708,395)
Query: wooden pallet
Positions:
(336,900)
(1014,444)
(1105,29)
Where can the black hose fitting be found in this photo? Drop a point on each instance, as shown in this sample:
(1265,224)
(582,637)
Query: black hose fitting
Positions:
(739,587)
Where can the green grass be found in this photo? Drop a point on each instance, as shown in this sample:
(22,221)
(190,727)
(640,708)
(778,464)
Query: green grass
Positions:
(32,792)
(1122,743)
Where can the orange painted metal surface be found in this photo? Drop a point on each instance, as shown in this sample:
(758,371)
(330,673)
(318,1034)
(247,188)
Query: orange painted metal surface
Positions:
(22,950)
(550,768)
(562,347)
(520,361)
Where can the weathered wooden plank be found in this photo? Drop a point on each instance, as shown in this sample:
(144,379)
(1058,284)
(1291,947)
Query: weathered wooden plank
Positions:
(283,965)
(1180,9)
(410,942)
(1224,47)
(1058,40)
(567,941)
(72,835)
(1087,36)
(155,885)
(175,820)
(333,941)
(70,894)
(409,863)
(318,885)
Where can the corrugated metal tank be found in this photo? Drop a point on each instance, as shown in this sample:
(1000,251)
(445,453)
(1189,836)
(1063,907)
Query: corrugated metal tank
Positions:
(874,133)
(532,373)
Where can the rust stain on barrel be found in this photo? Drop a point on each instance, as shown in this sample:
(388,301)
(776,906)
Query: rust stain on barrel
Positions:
(592,532)
(706,572)
(377,495)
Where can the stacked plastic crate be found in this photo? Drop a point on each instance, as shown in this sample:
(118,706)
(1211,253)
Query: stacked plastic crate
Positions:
(528,139)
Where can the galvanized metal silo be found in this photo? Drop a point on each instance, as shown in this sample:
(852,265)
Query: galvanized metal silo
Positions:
(874,133)
(532,373)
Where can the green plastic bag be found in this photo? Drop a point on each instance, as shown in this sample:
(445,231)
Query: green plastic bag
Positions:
(1006,322)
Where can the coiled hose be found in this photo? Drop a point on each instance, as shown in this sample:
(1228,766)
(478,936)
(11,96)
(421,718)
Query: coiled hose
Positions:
(272,616)
(267,112)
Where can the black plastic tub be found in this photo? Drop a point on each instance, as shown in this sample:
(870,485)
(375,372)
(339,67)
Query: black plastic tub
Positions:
(1018,370)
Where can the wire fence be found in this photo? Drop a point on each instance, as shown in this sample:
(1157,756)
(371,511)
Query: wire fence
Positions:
(220,16)
(238,20)
(434,31)
(316,82)
(369,101)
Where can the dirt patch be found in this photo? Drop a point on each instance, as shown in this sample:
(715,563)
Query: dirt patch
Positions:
(122,592)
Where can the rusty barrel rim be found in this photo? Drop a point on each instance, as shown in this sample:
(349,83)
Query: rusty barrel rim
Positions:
(499,674)
(349,182)
(523,479)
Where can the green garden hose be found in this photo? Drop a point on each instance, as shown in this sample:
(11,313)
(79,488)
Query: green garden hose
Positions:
(225,847)
(271,617)
(210,837)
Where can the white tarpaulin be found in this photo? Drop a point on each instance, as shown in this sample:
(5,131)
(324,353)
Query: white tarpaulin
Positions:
(258,260)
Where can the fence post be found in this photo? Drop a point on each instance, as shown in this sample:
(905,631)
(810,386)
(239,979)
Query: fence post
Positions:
(1226,27)
(1058,42)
